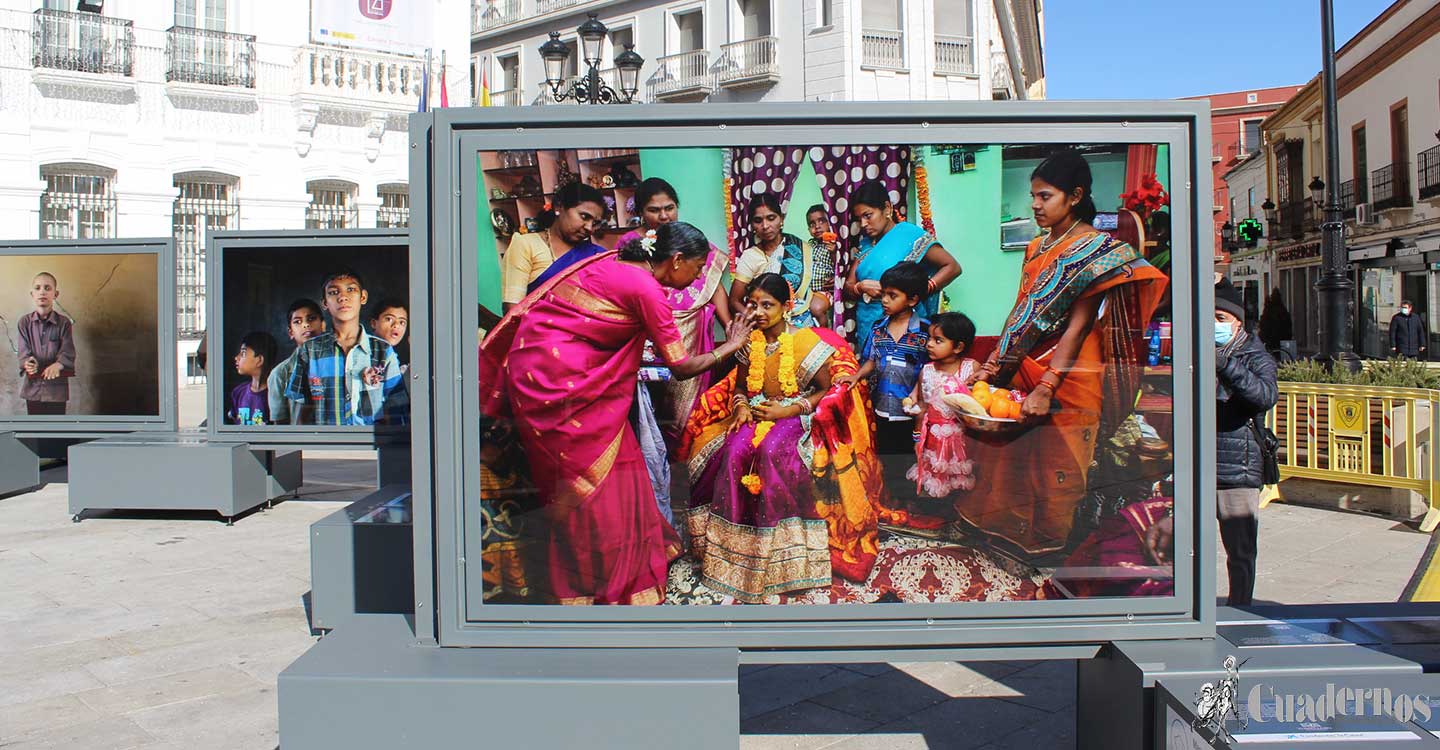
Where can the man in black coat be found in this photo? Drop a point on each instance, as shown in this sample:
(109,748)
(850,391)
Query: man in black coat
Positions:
(1245,390)
(1408,336)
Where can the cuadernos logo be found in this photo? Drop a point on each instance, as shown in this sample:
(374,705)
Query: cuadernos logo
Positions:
(376,9)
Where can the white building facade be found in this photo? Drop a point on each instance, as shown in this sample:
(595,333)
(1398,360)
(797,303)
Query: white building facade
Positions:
(1251,268)
(171,117)
(775,50)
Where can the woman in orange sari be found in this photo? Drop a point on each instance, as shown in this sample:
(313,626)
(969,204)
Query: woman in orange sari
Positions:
(1073,342)
(562,366)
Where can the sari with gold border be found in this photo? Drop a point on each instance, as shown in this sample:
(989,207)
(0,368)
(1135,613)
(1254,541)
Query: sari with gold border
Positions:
(562,366)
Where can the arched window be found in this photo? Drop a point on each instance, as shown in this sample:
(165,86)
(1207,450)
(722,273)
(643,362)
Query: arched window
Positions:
(332,205)
(78,202)
(394,210)
(205,202)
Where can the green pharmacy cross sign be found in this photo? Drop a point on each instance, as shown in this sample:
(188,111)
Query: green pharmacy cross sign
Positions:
(1249,231)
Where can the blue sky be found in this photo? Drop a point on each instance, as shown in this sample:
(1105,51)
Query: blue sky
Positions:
(1166,49)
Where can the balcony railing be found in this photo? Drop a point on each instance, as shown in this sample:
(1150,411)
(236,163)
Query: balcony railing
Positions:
(84,42)
(494,13)
(685,74)
(1347,198)
(882,48)
(1295,217)
(361,78)
(954,55)
(1430,173)
(507,98)
(1392,186)
(546,6)
(749,62)
(216,58)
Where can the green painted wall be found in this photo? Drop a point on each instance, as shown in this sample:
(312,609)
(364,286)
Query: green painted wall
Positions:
(966,211)
(697,175)
(487,255)
(805,195)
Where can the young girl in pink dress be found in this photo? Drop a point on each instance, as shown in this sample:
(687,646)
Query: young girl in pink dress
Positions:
(942,467)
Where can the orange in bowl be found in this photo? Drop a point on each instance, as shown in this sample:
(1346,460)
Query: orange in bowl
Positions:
(999,408)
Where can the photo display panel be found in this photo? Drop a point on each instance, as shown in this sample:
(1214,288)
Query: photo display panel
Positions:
(314,337)
(944,374)
(82,335)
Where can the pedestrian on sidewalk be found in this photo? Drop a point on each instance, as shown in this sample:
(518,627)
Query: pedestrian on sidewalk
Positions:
(1245,389)
(1408,334)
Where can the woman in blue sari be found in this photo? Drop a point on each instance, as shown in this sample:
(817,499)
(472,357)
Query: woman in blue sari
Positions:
(885,242)
(578,210)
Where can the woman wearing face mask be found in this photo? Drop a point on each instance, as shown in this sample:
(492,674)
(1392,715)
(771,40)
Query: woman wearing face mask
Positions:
(565,230)
(1245,390)
(1407,333)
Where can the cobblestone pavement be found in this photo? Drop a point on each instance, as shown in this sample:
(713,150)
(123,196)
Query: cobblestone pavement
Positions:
(143,630)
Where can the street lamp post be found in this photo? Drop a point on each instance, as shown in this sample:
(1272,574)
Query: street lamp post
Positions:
(591,89)
(1334,288)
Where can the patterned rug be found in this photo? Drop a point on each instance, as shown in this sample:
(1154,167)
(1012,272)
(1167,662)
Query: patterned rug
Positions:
(908,569)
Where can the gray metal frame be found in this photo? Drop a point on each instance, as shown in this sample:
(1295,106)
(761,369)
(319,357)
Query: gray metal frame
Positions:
(285,436)
(446,144)
(94,426)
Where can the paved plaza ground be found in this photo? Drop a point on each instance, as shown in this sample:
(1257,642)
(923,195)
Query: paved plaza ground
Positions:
(143,630)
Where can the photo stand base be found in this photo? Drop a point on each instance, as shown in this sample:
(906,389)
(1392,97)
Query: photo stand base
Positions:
(369,686)
(1119,684)
(392,465)
(179,473)
(362,559)
(19,465)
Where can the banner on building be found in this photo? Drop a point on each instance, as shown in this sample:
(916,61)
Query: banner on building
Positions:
(398,26)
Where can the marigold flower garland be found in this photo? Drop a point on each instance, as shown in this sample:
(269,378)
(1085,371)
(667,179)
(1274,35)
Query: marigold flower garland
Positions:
(922,196)
(755,387)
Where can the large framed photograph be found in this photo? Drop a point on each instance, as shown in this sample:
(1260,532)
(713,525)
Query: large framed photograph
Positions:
(89,329)
(936,371)
(309,336)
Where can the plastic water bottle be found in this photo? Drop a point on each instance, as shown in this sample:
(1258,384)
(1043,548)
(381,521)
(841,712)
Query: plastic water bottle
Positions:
(1154,345)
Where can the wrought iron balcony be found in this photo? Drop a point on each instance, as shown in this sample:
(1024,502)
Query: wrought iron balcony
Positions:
(1392,187)
(83,42)
(354,79)
(490,14)
(216,58)
(882,48)
(748,63)
(546,6)
(1430,173)
(684,75)
(1296,216)
(954,55)
(1347,198)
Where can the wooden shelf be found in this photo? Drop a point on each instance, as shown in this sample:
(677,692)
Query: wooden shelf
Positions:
(540,198)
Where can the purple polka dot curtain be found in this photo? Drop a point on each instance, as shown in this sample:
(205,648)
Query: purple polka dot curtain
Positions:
(755,171)
(841,169)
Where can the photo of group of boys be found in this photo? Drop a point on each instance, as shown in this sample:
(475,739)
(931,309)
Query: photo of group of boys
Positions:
(834,374)
(80,335)
(320,339)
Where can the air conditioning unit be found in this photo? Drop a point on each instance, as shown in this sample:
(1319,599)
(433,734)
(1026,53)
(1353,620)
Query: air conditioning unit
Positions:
(1364,214)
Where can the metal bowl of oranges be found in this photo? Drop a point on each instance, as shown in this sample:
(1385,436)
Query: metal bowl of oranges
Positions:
(987,409)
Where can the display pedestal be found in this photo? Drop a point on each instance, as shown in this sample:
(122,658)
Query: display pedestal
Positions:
(1119,683)
(178,472)
(368,685)
(19,465)
(362,559)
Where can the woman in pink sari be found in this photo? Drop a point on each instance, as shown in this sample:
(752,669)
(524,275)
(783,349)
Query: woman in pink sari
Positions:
(696,306)
(562,366)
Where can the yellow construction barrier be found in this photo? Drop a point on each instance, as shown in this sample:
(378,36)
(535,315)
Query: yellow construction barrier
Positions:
(1378,437)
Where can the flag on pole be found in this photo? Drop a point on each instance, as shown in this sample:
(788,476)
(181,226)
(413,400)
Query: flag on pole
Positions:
(444,90)
(484,99)
(425,85)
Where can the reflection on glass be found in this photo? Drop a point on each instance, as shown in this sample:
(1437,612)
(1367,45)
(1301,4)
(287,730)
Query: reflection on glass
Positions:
(825,374)
(81,335)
